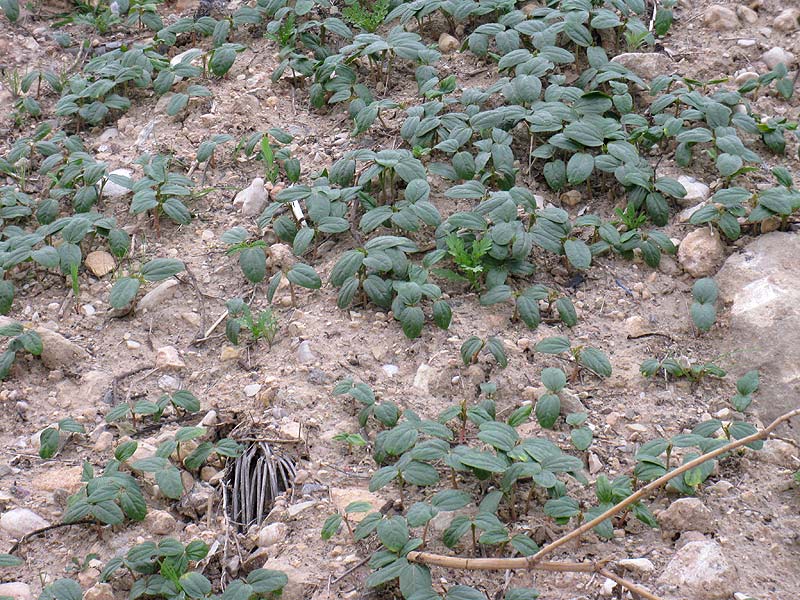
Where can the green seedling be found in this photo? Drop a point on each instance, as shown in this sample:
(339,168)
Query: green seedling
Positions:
(264,325)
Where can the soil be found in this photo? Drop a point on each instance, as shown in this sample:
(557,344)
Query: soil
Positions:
(755,521)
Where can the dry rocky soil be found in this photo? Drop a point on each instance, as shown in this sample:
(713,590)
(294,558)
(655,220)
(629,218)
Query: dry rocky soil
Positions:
(739,537)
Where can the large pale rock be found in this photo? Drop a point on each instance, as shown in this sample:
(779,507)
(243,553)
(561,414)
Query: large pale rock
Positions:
(21,521)
(252,199)
(775,56)
(342,497)
(700,571)
(761,284)
(701,252)
(647,65)
(60,478)
(158,295)
(112,189)
(57,351)
(272,534)
(720,18)
(16,590)
(788,20)
(696,191)
(686,514)
(99,591)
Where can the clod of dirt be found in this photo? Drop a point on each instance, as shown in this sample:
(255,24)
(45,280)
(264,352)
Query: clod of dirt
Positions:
(100,263)
(720,18)
(701,252)
(685,514)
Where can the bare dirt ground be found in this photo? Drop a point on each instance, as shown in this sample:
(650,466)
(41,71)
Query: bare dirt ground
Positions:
(754,506)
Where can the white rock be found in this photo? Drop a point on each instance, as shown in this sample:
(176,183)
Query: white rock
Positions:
(686,214)
(115,190)
(133,344)
(167,357)
(304,353)
(699,570)
(158,295)
(251,390)
(16,590)
(720,18)
(641,566)
(696,191)
(746,14)
(272,534)
(422,378)
(21,521)
(746,76)
(252,199)
(296,509)
(390,370)
(88,310)
(701,252)
(772,58)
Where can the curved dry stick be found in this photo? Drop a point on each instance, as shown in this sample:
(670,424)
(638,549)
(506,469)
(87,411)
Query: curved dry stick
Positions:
(535,562)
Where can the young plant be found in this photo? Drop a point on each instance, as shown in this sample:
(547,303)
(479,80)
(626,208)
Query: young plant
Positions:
(681,367)
(125,289)
(704,311)
(548,406)
(183,402)
(264,325)
(473,345)
(367,15)
(22,340)
(50,438)
(468,261)
(586,357)
(353,440)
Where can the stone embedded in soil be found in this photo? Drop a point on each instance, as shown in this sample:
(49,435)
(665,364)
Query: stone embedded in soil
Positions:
(701,252)
(775,56)
(647,65)
(448,44)
(253,199)
(700,571)
(299,578)
(115,190)
(159,522)
(788,20)
(760,284)
(342,497)
(100,263)
(641,566)
(156,297)
(21,521)
(60,478)
(57,351)
(423,378)
(778,452)
(272,534)
(16,590)
(251,390)
(570,198)
(720,18)
(685,514)
(696,191)
(167,357)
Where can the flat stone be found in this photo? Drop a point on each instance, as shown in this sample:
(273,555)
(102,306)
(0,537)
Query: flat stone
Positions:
(159,522)
(647,65)
(701,252)
(272,534)
(100,263)
(422,378)
(685,514)
(115,190)
(16,590)
(296,509)
(642,566)
(788,20)
(167,357)
(160,294)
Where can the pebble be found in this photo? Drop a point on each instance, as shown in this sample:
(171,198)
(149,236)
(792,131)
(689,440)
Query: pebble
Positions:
(133,344)
(318,376)
(21,521)
(448,44)
(104,441)
(775,56)
(156,297)
(88,310)
(169,383)
(167,357)
(252,199)
(210,419)
(251,390)
(115,190)
(99,591)
(746,42)
(160,522)
(637,565)
(229,353)
(296,509)
(423,377)
(16,590)
(788,20)
(100,263)
(685,514)
(701,252)
(272,534)
(390,370)
(743,78)
(747,14)
(720,18)
(304,353)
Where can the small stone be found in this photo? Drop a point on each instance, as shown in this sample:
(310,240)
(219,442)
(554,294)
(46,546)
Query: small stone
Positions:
(304,353)
(422,378)
(16,590)
(636,326)
(746,43)
(296,509)
(699,570)
(390,370)
(641,566)
(169,383)
(210,419)
(167,357)
(100,263)
(595,466)
(88,310)
(133,344)
(21,521)
(229,353)
(647,65)
(772,58)
(685,514)
(448,44)
(696,191)
(720,18)
(159,522)
(115,190)
(252,199)
(747,14)
(208,473)
(99,591)
(570,198)
(104,442)
(272,534)
(788,20)
(701,252)
(251,390)
(156,297)
(743,78)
